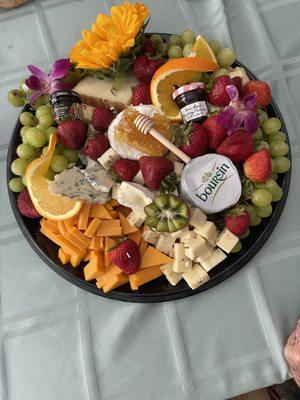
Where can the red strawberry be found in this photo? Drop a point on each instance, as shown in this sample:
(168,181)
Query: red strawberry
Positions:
(238,146)
(148,48)
(216,132)
(72,133)
(237,81)
(126,169)
(144,68)
(126,255)
(238,221)
(218,95)
(258,167)
(102,118)
(154,170)
(193,140)
(262,90)
(96,146)
(141,94)
(25,205)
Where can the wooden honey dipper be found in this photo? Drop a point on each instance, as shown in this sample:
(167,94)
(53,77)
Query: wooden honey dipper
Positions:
(145,125)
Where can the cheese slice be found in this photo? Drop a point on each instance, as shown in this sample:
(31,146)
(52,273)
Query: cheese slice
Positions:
(98,92)
(115,282)
(95,267)
(99,211)
(75,259)
(153,257)
(127,228)
(64,257)
(109,243)
(145,275)
(143,247)
(136,237)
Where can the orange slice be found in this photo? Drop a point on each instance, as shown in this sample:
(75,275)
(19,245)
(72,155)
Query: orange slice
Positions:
(173,74)
(203,50)
(47,204)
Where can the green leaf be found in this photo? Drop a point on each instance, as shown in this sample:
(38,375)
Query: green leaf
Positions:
(123,64)
(119,81)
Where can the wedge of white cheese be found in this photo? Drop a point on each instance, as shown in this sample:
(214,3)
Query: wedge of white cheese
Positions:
(134,196)
(150,236)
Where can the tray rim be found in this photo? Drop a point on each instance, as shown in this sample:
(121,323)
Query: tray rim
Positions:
(159,296)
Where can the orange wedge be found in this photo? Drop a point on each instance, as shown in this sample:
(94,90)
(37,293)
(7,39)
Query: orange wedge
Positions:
(47,204)
(175,73)
(203,50)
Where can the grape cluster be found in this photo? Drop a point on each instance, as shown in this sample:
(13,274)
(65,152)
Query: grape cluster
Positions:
(35,133)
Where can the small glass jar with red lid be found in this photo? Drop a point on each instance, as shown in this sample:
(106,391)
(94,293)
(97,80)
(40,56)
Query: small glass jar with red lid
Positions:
(191,100)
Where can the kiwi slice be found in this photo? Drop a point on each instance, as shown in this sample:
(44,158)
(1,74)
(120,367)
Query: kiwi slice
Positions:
(167,213)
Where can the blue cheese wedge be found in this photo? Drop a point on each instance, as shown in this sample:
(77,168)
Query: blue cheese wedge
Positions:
(98,177)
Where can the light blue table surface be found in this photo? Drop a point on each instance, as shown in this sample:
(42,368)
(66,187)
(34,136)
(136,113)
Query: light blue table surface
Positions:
(59,342)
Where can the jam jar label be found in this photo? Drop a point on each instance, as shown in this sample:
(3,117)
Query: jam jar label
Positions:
(193,111)
(211,182)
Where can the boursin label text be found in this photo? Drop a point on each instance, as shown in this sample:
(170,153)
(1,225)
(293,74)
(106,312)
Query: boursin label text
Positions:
(212,181)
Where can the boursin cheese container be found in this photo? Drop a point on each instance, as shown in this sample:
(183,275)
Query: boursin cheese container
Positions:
(210,182)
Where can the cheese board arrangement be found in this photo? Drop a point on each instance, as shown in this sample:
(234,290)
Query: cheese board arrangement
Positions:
(146,167)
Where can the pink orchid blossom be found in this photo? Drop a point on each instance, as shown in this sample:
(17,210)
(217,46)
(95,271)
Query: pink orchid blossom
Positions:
(43,83)
(239,112)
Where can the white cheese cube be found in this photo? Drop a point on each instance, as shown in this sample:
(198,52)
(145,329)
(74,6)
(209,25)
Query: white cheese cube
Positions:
(195,277)
(139,178)
(188,264)
(115,189)
(134,196)
(240,71)
(206,252)
(189,235)
(178,167)
(197,218)
(217,256)
(108,158)
(179,261)
(180,233)
(172,277)
(194,247)
(227,240)
(165,243)
(208,231)
(150,236)
(135,219)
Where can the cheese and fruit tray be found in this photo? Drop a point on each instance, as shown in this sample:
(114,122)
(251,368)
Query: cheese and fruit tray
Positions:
(146,167)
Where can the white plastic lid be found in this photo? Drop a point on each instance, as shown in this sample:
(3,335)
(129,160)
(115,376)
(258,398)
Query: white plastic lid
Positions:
(210,182)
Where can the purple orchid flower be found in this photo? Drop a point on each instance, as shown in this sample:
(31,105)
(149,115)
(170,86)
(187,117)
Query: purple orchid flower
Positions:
(239,112)
(43,83)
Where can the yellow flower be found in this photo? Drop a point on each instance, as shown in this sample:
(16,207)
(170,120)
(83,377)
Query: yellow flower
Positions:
(110,36)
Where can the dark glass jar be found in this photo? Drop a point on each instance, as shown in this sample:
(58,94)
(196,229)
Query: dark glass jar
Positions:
(191,100)
(66,104)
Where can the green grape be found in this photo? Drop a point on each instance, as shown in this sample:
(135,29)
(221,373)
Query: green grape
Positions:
(49,132)
(188,37)
(277,195)
(262,145)
(226,57)
(175,40)
(46,109)
(23,133)
(36,137)
(163,48)
(187,49)
(244,235)
(50,174)
(257,135)
(71,155)
(271,126)
(58,163)
(175,52)
(278,136)
(255,221)
(264,212)
(156,39)
(282,164)
(24,150)
(271,185)
(24,181)
(46,119)
(220,72)
(262,116)
(272,164)
(261,197)
(278,149)
(215,46)
(60,147)
(41,101)
(46,148)
(18,166)
(16,185)
(237,247)
(42,127)
(16,98)
(26,118)
(251,211)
